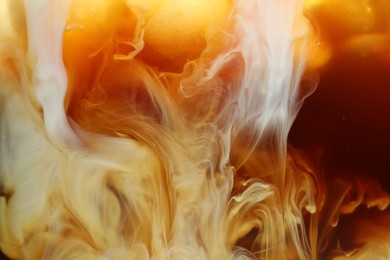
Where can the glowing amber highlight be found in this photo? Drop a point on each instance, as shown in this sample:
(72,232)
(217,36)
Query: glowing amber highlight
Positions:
(159,130)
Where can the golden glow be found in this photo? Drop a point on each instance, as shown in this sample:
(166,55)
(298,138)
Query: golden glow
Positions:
(176,29)
(158,129)
(360,28)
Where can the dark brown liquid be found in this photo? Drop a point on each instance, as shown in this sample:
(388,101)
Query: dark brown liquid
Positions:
(348,116)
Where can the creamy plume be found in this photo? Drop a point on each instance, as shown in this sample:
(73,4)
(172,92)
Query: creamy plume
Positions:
(158,130)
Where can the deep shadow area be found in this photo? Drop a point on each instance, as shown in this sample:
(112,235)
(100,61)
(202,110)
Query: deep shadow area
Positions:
(2,256)
(348,118)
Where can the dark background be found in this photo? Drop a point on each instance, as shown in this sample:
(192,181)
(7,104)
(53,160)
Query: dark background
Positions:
(347,118)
